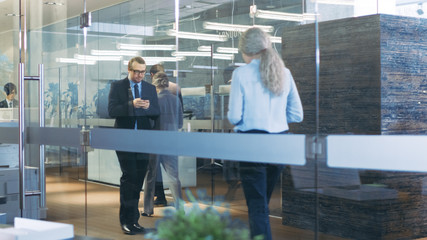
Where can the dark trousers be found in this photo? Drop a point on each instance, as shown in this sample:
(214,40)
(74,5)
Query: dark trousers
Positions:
(134,168)
(258,181)
(159,191)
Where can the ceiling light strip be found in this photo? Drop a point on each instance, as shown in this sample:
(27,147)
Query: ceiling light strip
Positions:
(97,58)
(74,60)
(113,53)
(223,56)
(295,17)
(145,47)
(197,36)
(205,67)
(279,16)
(234,27)
(191,54)
(227,50)
(155,60)
(204,48)
(204,54)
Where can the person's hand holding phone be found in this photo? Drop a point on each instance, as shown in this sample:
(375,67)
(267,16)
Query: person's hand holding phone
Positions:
(141,103)
(145,103)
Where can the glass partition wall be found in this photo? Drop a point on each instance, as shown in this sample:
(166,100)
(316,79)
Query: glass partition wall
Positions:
(10,57)
(358,67)
(371,82)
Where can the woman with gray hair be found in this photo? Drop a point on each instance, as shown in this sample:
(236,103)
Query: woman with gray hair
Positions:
(171,120)
(263,99)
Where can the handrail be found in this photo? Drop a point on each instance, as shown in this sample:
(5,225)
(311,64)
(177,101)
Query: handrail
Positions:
(21,148)
(22,138)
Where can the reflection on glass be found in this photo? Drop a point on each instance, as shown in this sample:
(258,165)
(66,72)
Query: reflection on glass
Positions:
(205,89)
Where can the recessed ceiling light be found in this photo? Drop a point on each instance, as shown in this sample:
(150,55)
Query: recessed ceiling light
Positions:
(53,3)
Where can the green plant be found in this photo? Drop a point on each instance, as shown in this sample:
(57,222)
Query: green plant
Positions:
(199,224)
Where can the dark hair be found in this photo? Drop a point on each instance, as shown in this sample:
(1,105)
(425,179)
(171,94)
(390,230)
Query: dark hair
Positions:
(9,87)
(156,68)
(139,60)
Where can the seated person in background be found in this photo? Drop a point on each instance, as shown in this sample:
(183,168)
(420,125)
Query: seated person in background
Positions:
(9,102)
(171,120)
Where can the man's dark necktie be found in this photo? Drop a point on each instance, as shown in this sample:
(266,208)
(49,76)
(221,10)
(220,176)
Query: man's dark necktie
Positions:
(136,90)
(10,105)
(138,111)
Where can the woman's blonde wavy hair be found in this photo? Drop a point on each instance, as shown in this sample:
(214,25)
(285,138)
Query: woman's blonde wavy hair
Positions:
(272,69)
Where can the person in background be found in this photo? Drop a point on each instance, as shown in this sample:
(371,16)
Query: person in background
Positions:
(133,103)
(173,87)
(159,191)
(10,101)
(171,119)
(263,99)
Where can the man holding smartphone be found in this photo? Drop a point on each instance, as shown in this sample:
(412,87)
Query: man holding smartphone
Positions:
(133,103)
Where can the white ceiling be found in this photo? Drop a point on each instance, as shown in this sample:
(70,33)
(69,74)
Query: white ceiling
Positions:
(40,14)
(46,14)
(152,12)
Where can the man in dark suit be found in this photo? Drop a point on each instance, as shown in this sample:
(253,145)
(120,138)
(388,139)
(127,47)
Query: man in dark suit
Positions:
(133,103)
(9,102)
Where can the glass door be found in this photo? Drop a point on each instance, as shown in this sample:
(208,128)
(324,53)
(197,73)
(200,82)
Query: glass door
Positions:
(9,111)
(51,101)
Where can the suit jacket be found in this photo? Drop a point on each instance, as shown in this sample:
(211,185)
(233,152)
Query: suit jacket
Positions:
(3,104)
(120,105)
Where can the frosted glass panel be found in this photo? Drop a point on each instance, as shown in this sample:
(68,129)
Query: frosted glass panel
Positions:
(400,153)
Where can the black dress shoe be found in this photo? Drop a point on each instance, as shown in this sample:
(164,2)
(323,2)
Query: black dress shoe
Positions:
(138,228)
(132,229)
(128,229)
(146,214)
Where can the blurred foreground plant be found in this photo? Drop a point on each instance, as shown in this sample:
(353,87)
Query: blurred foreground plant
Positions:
(199,224)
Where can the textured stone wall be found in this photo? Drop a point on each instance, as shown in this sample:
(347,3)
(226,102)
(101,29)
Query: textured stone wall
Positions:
(373,80)
(403,75)
(373,74)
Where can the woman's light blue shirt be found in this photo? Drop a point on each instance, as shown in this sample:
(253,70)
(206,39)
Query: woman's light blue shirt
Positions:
(253,107)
